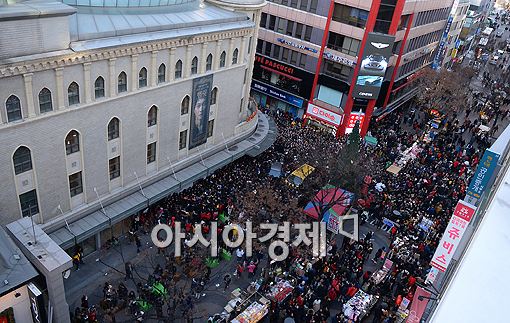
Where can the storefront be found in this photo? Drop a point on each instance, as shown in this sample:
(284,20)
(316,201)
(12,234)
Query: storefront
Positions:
(322,118)
(275,99)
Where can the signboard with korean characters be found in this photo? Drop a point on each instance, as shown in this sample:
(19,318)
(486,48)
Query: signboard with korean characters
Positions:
(482,176)
(462,215)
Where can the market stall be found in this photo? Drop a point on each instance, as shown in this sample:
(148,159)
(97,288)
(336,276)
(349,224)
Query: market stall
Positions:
(253,313)
(359,306)
(279,291)
(380,275)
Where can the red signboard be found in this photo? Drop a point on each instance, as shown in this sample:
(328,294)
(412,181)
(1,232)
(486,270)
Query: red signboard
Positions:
(352,121)
(418,306)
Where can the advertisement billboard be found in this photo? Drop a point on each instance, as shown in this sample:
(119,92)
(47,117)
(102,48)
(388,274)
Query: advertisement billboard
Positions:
(276,93)
(323,114)
(376,55)
(355,116)
(200,108)
(482,176)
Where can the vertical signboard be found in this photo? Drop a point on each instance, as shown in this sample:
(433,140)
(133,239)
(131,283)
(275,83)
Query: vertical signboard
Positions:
(452,235)
(376,55)
(420,300)
(482,176)
(438,59)
(36,303)
(200,108)
(355,116)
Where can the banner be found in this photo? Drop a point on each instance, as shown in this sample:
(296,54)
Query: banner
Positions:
(418,306)
(482,176)
(353,117)
(323,114)
(453,235)
(276,93)
(201,98)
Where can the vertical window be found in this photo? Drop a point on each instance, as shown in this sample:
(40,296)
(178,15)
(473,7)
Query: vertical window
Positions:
(267,50)
(234,56)
(72,142)
(223,58)
(152,116)
(263,20)
(185,105)
(272,22)
(290,27)
(214,95)
(151,153)
(122,82)
(183,135)
(304,5)
(308,33)
(210,128)
(313,6)
(162,73)
(113,129)
(285,54)
(249,45)
(299,30)
(45,104)
(75,184)
(99,88)
(194,66)
(302,60)
(73,93)
(208,62)
(178,69)
(22,160)
(114,167)
(28,202)
(142,78)
(293,57)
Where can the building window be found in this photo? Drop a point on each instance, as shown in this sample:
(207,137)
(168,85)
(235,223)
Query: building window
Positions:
(22,160)
(28,202)
(75,184)
(185,105)
(45,104)
(210,128)
(194,66)
(303,5)
(208,62)
(223,59)
(178,69)
(99,88)
(73,93)
(183,136)
(299,30)
(162,73)
(290,27)
(214,95)
(142,78)
(152,116)
(308,33)
(114,167)
(151,153)
(234,56)
(72,142)
(122,82)
(113,129)
(350,15)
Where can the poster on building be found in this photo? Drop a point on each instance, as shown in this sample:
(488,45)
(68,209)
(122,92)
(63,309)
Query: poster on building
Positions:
(353,117)
(376,55)
(482,176)
(323,114)
(200,108)
(462,215)
(420,301)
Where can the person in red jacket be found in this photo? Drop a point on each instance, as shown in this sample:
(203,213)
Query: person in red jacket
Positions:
(332,294)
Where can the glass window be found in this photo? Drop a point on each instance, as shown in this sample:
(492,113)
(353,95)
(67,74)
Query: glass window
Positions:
(72,142)
(210,128)
(45,104)
(183,136)
(223,59)
(73,93)
(293,57)
(308,33)
(22,160)
(152,116)
(142,78)
(267,50)
(303,5)
(28,203)
(285,54)
(290,27)
(75,184)
(194,66)
(113,129)
(151,153)
(276,51)
(299,30)
(208,62)
(99,88)
(122,82)
(162,73)
(185,105)
(114,167)
(263,20)
(235,56)
(214,95)
(313,6)
(178,69)
(272,22)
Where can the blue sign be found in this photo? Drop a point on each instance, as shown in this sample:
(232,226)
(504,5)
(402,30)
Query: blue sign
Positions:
(299,46)
(483,174)
(438,59)
(276,93)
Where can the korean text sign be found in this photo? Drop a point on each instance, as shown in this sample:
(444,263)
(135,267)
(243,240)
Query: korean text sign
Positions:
(453,235)
(483,174)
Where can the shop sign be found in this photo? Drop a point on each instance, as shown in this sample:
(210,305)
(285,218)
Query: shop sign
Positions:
(36,303)
(452,235)
(352,121)
(339,59)
(276,93)
(481,178)
(274,65)
(298,46)
(323,114)
(418,306)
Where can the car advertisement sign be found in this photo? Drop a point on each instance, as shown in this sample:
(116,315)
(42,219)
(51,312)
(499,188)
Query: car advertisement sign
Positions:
(376,55)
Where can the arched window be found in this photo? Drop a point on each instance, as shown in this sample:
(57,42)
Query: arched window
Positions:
(73,93)
(22,160)
(99,88)
(194,65)
(234,56)
(113,129)
(142,78)
(185,105)
(122,82)
(162,73)
(214,95)
(72,142)
(208,62)
(13,108)
(152,116)
(223,59)
(178,69)
(45,104)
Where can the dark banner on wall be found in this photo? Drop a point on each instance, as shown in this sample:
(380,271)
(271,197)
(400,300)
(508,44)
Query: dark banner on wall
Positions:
(376,55)
(200,107)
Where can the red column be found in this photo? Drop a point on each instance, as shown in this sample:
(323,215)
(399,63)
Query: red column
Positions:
(368,114)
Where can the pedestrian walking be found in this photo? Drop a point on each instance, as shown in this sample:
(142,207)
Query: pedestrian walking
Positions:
(227,279)
(129,270)
(76,261)
(138,243)
(378,255)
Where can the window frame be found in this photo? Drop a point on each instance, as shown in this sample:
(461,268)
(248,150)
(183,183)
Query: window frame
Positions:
(214,96)
(208,62)
(235,56)
(152,116)
(223,59)
(122,82)
(22,163)
(113,129)
(142,78)
(178,69)
(76,179)
(114,167)
(185,103)
(72,147)
(151,152)
(99,91)
(29,209)
(73,97)
(46,100)
(194,66)
(183,139)
(162,73)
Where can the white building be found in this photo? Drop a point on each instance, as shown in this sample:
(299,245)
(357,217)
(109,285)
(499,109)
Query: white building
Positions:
(453,42)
